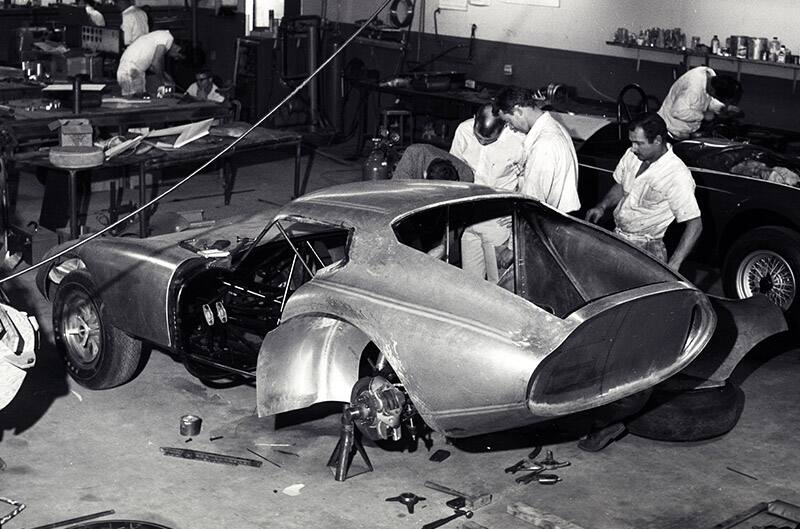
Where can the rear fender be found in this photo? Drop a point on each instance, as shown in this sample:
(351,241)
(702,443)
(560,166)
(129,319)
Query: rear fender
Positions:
(308,359)
(741,325)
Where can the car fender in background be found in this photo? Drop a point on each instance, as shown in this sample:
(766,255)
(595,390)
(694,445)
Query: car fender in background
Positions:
(741,325)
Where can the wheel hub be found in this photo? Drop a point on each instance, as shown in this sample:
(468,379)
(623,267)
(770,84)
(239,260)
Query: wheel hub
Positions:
(82,331)
(379,406)
(766,272)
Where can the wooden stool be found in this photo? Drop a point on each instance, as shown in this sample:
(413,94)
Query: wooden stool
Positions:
(74,159)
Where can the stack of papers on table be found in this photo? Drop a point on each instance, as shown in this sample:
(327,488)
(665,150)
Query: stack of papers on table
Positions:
(186,133)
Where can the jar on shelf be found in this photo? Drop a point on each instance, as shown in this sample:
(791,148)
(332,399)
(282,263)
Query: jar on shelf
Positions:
(715,45)
(774,48)
(782,54)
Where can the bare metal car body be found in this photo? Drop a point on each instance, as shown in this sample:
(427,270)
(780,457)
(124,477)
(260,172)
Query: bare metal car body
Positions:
(579,319)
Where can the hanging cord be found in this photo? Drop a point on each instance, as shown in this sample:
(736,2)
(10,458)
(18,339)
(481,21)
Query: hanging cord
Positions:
(132,214)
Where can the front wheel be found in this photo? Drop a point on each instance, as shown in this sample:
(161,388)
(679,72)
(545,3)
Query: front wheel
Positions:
(97,354)
(766,261)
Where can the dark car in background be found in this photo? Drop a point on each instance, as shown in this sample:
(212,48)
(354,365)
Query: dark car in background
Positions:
(751,210)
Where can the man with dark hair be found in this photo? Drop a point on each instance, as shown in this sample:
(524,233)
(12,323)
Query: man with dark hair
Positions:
(492,150)
(204,88)
(417,158)
(551,164)
(653,188)
(696,96)
(441,169)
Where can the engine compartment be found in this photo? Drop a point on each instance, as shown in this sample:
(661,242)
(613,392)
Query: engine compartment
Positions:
(222,315)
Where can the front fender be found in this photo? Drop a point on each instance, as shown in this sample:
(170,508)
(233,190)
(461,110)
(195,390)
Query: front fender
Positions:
(308,359)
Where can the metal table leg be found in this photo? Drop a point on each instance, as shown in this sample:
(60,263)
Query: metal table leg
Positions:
(297,154)
(145,214)
(74,229)
(229,171)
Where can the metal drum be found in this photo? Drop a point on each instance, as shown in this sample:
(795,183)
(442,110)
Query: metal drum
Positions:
(738,46)
(757,49)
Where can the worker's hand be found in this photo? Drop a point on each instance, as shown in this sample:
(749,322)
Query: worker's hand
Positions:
(595,214)
(505,222)
(517,169)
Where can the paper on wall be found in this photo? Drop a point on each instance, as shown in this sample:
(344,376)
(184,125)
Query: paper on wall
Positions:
(480,2)
(458,5)
(545,3)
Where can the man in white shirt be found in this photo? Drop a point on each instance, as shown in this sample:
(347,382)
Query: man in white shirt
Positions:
(653,188)
(146,54)
(204,88)
(494,153)
(696,96)
(97,17)
(551,164)
(134,22)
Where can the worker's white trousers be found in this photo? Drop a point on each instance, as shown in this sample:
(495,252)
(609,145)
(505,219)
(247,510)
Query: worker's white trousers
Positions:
(478,244)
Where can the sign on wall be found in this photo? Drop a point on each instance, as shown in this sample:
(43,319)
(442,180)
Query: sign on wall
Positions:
(546,3)
(458,5)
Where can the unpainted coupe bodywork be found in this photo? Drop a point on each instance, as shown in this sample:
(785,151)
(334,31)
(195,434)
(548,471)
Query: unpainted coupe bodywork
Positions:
(583,319)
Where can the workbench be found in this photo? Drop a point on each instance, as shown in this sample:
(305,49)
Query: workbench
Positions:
(30,127)
(196,152)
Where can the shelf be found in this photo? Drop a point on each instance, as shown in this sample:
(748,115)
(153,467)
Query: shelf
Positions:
(687,54)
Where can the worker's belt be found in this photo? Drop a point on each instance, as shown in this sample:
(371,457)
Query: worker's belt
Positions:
(636,237)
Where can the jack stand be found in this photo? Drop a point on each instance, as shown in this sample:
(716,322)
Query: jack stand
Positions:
(347,446)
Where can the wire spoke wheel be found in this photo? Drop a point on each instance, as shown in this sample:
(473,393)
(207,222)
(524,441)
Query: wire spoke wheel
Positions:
(766,272)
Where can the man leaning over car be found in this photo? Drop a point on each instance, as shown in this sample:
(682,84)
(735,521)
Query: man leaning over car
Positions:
(653,188)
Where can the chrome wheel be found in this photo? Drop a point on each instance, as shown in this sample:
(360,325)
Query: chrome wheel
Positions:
(81,327)
(766,272)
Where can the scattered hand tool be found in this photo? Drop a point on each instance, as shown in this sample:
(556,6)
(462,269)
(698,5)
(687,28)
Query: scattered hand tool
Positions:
(535,453)
(264,458)
(550,463)
(285,452)
(438,523)
(471,501)
(524,464)
(516,467)
(409,499)
(209,457)
(542,479)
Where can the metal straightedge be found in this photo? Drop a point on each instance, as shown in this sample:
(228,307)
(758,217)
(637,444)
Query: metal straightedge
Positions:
(209,457)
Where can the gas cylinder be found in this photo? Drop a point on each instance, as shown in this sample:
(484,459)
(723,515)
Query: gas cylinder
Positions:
(376,166)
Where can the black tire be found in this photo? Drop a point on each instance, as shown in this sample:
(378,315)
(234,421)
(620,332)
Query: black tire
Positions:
(766,260)
(97,354)
(689,415)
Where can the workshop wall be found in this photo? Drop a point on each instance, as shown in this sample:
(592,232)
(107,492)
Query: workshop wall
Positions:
(537,62)
(585,25)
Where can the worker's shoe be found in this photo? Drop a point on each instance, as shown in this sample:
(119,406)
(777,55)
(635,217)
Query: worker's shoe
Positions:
(599,439)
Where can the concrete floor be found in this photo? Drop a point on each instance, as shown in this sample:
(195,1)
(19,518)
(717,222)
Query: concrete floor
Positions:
(71,451)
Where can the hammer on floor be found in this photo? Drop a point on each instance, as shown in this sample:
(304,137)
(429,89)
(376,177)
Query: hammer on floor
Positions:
(471,501)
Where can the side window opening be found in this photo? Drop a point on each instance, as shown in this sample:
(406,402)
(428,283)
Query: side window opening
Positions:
(473,236)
